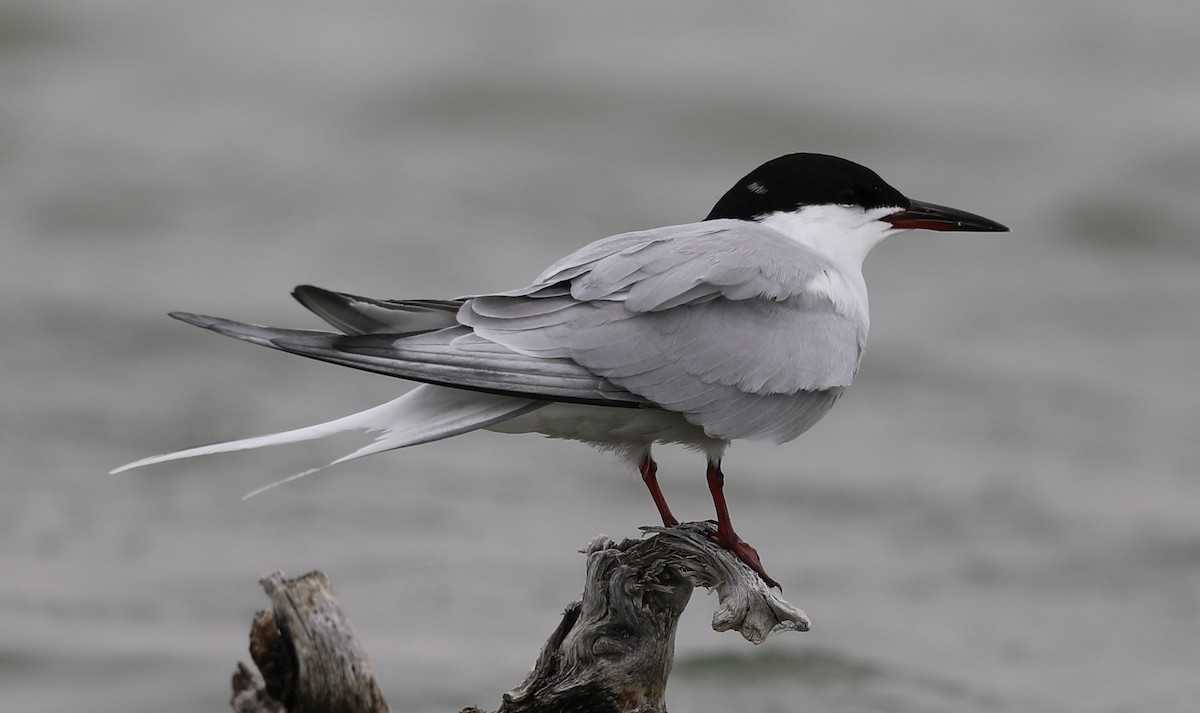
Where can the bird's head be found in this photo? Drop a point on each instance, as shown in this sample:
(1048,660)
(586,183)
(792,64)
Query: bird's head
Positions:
(835,206)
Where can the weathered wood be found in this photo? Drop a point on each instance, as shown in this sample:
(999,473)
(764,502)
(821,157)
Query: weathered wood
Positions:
(745,603)
(250,693)
(611,653)
(308,653)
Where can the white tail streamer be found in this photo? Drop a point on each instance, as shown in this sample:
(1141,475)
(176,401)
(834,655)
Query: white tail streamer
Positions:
(427,413)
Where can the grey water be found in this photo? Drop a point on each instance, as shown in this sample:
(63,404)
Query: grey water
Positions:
(1003,514)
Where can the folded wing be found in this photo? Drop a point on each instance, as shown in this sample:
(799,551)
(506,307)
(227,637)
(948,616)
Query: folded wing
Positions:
(718,321)
(453,357)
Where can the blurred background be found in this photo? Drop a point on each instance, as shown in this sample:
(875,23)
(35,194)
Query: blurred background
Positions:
(1002,515)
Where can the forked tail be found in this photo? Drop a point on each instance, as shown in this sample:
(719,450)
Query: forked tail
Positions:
(427,413)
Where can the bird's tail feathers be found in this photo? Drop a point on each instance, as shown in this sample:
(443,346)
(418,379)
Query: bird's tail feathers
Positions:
(427,413)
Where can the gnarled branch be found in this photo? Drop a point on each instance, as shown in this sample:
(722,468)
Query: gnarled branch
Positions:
(611,653)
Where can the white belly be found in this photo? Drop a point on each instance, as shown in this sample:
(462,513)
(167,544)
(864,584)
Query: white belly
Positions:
(627,430)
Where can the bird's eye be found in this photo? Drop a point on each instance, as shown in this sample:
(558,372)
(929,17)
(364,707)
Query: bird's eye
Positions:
(846,196)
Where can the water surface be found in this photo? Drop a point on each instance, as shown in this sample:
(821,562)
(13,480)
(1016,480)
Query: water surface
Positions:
(1001,515)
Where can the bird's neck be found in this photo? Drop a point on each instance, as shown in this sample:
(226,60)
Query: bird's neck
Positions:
(843,237)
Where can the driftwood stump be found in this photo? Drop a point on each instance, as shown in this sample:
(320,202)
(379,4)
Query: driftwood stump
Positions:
(611,653)
(309,655)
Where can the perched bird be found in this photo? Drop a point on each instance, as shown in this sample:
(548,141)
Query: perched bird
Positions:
(748,324)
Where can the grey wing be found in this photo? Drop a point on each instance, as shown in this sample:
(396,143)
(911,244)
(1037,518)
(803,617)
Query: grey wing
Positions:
(681,264)
(451,357)
(720,325)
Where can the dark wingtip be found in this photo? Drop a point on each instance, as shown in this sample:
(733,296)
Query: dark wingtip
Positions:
(300,291)
(311,295)
(199,320)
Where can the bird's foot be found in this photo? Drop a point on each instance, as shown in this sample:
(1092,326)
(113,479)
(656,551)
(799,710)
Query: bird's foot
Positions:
(745,552)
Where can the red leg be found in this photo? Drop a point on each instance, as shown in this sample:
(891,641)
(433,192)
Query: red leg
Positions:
(649,470)
(725,536)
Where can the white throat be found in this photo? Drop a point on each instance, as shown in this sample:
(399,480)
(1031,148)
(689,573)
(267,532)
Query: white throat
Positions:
(843,235)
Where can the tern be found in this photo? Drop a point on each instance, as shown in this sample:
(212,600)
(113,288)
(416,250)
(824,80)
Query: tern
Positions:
(749,324)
